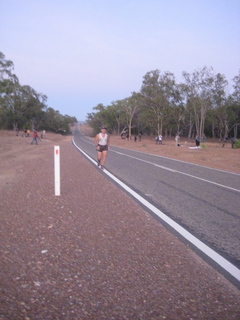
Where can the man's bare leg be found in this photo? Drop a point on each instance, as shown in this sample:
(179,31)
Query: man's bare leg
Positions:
(104,156)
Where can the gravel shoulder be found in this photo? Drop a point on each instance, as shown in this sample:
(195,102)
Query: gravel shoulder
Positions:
(92,253)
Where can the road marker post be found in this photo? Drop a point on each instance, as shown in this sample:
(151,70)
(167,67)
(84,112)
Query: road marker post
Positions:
(57,170)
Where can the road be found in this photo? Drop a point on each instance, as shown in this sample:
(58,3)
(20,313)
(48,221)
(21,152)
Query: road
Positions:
(204,201)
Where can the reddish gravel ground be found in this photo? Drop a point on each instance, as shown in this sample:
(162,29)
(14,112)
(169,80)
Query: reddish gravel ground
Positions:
(92,253)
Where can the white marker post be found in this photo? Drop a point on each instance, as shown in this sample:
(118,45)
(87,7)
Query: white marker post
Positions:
(57,170)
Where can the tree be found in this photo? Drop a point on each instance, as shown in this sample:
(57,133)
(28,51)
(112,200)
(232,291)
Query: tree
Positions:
(219,104)
(117,113)
(6,69)
(33,104)
(24,107)
(160,94)
(9,86)
(130,106)
(233,110)
(199,93)
(99,118)
(162,105)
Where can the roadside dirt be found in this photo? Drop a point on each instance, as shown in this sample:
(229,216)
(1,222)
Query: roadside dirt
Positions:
(82,256)
(213,155)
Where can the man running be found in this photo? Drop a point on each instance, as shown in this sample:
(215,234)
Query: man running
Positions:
(102,143)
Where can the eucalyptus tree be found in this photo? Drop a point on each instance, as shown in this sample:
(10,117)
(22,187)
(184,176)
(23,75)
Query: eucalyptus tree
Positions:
(199,92)
(233,112)
(19,104)
(176,111)
(103,115)
(116,114)
(66,123)
(51,117)
(9,86)
(146,120)
(153,99)
(220,122)
(234,106)
(97,118)
(236,88)
(175,119)
(33,104)
(160,94)
(6,70)
(130,106)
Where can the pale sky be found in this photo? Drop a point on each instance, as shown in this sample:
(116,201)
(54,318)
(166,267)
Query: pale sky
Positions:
(82,53)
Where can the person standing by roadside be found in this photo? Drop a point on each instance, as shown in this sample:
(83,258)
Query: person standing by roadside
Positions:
(160,139)
(197,140)
(35,137)
(24,133)
(177,139)
(102,143)
(42,133)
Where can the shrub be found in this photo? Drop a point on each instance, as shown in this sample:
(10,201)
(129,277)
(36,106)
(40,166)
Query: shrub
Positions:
(236,144)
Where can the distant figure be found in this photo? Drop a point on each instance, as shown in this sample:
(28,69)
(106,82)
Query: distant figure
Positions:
(135,139)
(24,133)
(157,139)
(177,140)
(42,133)
(17,132)
(28,132)
(224,141)
(160,139)
(35,137)
(197,140)
(233,142)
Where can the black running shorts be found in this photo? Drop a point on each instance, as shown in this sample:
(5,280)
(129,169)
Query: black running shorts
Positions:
(102,148)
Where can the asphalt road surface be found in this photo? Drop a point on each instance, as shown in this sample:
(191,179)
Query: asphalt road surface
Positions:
(204,201)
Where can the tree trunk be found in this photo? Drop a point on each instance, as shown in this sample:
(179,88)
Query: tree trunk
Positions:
(166,133)
(235,130)
(226,130)
(190,129)
(213,130)
(161,128)
(130,130)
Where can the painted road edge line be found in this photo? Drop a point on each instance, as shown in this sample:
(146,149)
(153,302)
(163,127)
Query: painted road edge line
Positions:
(217,258)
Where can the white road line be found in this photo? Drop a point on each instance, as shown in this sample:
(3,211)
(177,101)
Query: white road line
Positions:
(176,171)
(177,160)
(217,258)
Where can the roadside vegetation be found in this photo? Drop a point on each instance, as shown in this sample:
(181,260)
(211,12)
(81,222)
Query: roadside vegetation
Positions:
(200,105)
(22,107)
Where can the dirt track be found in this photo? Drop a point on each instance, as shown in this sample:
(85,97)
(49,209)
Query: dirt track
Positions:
(85,256)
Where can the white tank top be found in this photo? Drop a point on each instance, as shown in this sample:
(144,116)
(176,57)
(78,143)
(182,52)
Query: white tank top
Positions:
(102,141)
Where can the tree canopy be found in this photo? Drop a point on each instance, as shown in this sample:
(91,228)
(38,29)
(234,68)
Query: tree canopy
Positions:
(22,107)
(200,105)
